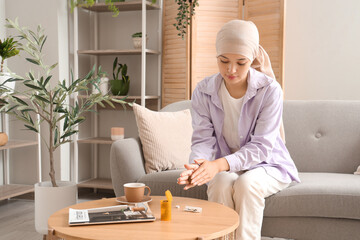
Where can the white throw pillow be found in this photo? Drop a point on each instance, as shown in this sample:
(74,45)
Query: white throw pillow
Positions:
(165,138)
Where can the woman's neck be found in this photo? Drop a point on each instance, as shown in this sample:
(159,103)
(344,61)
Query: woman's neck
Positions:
(237,89)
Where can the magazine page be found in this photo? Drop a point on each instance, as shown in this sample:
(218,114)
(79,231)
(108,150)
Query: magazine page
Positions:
(112,214)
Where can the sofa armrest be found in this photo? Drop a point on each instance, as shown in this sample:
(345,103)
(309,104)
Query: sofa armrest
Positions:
(126,163)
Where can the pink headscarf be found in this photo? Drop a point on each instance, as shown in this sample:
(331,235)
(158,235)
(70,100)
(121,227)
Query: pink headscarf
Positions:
(242,37)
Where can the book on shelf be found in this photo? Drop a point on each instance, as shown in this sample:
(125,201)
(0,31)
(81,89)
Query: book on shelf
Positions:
(113,214)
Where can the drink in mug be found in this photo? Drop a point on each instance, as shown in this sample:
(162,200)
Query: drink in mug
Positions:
(134,192)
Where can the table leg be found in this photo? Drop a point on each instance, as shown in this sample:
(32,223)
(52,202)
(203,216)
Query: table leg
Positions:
(51,235)
(230,236)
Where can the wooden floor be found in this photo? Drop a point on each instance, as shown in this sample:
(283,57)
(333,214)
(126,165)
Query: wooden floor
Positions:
(17,215)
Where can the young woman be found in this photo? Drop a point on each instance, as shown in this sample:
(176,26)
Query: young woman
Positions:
(237,144)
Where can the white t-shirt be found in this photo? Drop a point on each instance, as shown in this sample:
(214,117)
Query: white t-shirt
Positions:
(232,108)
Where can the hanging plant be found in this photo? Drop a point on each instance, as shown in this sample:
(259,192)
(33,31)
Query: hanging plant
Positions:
(88,3)
(186,10)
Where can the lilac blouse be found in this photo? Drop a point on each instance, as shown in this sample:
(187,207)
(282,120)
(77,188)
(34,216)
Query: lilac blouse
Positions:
(258,127)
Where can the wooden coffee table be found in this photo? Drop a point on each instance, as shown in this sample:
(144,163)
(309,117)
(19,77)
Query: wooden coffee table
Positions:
(214,221)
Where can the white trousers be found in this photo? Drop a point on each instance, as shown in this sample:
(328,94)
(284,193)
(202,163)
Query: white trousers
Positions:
(245,192)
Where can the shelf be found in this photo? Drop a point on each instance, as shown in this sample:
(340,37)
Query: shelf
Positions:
(151,102)
(117,52)
(97,183)
(123,6)
(13,190)
(128,97)
(17,144)
(96,140)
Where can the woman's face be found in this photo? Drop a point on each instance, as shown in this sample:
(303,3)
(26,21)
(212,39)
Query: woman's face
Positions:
(233,67)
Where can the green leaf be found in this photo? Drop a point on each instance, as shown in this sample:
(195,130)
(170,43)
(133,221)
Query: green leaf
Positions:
(31,128)
(68,134)
(110,103)
(41,98)
(101,104)
(55,93)
(10,109)
(42,45)
(31,76)
(20,101)
(21,108)
(33,86)
(32,61)
(27,110)
(13,80)
(66,123)
(53,66)
(114,65)
(3,101)
(79,120)
(47,80)
(60,109)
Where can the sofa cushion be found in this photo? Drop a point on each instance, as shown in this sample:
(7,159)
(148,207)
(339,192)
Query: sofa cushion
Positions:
(332,195)
(159,182)
(165,138)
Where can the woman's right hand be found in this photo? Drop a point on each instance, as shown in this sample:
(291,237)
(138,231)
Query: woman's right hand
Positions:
(185,175)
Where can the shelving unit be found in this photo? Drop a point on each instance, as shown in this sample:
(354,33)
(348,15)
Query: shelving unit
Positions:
(13,190)
(117,52)
(142,98)
(8,190)
(97,183)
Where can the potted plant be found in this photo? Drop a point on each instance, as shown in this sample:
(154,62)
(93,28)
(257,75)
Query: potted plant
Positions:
(38,97)
(119,86)
(137,39)
(186,10)
(7,50)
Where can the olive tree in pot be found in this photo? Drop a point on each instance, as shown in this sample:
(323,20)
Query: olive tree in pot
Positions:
(50,104)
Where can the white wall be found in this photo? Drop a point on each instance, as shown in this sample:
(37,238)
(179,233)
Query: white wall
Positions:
(322,50)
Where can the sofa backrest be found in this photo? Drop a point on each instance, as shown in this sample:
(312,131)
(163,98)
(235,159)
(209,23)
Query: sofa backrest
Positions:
(321,136)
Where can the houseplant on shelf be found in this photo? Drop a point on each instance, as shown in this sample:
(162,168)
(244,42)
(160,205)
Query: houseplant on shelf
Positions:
(137,39)
(88,3)
(119,86)
(7,50)
(49,102)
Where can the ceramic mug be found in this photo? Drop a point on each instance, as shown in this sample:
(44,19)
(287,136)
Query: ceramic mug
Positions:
(134,192)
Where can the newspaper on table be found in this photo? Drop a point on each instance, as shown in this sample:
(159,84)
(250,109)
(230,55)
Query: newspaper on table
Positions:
(112,214)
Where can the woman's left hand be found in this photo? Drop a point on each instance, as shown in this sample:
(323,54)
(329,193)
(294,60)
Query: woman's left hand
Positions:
(206,172)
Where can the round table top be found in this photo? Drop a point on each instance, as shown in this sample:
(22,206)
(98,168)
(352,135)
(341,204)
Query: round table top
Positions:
(214,221)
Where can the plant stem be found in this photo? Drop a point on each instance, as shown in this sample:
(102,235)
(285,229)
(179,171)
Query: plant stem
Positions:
(2,65)
(51,145)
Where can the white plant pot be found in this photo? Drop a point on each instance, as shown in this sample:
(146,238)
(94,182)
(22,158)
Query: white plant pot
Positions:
(5,77)
(138,42)
(50,199)
(104,86)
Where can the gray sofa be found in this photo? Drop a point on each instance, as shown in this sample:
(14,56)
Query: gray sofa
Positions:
(323,138)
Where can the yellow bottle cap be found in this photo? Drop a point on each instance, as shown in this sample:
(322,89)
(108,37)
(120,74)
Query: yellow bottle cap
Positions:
(168,195)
